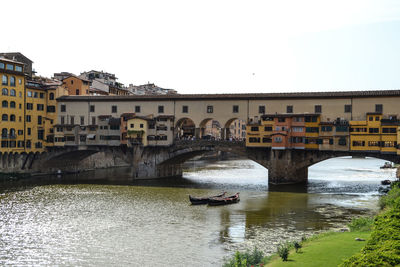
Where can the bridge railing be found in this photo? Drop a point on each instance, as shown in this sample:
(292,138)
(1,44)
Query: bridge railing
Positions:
(203,142)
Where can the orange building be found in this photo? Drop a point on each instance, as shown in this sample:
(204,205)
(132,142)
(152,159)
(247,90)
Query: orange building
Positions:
(76,85)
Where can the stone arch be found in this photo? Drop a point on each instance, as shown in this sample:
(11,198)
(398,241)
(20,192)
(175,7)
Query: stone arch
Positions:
(210,129)
(185,128)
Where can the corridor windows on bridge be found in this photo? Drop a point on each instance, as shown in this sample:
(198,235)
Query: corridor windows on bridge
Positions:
(185,109)
(91,108)
(389,130)
(113,109)
(373,143)
(347,108)
(137,109)
(289,109)
(235,109)
(63,108)
(379,108)
(261,109)
(210,109)
(317,109)
(160,109)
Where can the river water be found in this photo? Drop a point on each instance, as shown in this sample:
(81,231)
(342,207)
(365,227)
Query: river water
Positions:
(105,218)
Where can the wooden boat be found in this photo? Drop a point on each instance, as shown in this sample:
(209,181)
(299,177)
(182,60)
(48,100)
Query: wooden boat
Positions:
(216,201)
(203,200)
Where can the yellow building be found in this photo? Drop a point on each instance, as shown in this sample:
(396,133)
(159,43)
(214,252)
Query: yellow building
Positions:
(312,123)
(259,134)
(12,106)
(375,134)
(137,131)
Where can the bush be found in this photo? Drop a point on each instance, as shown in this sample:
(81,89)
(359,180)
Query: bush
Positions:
(283,251)
(246,259)
(391,198)
(297,246)
(361,224)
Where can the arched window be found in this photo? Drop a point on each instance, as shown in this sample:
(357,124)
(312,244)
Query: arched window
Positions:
(4,91)
(12,81)
(13,92)
(12,132)
(4,132)
(4,104)
(4,80)
(12,104)
(12,117)
(51,96)
(4,117)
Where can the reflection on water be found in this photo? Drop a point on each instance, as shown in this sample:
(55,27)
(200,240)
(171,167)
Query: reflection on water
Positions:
(108,218)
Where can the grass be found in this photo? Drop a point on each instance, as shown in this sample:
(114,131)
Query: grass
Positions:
(328,249)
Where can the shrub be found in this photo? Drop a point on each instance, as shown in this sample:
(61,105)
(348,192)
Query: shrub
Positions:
(297,246)
(283,251)
(246,259)
(362,224)
(391,198)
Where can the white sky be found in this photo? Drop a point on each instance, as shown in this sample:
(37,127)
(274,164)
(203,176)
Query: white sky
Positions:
(213,46)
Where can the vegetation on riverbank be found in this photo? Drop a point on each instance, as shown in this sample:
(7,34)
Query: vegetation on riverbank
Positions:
(383,247)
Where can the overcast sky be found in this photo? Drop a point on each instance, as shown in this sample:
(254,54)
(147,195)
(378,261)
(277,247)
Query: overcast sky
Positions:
(213,46)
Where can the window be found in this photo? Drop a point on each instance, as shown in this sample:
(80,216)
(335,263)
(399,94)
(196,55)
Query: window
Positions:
(377,118)
(113,109)
(235,109)
(41,95)
(388,130)
(29,94)
(62,119)
(347,108)
(378,108)
(35,94)
(29,131)
(2,65)
(28,118)
(326,128)
(373,130)
(267,128)
(318,109)
(185,109)
(141,125)
(289,109)
(20,132)
(358,143)
(12,104)
(10,67)
(18,68)
(297,129)
(72,119)
(12,81)
(13,92)
(266,140)
(210,109)
(312,129)
(4,91)
(278,139)
(40,107)
(91,108)
(51,108)
(373,143)
(281,119)
(137,109)
(132,125)
(4,104)
(4,80)
(82,120)
(160,109)
(29,106)
(298,119)
(254,140)
(12,117)
(254,129)
(19,81)
(77,91)
(93,120)
(39,120)
(63,108)
(72,82)
(51,96)
(28,144)
(261,109)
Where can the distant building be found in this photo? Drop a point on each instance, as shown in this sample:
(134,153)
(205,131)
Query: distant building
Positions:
(150,89)
(16,56)
(76,85)
(62,75)
(104,83)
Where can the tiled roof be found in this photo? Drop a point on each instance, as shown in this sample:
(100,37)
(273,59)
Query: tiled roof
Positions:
(250,96)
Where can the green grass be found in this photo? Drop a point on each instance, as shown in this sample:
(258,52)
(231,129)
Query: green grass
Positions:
(325,250)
